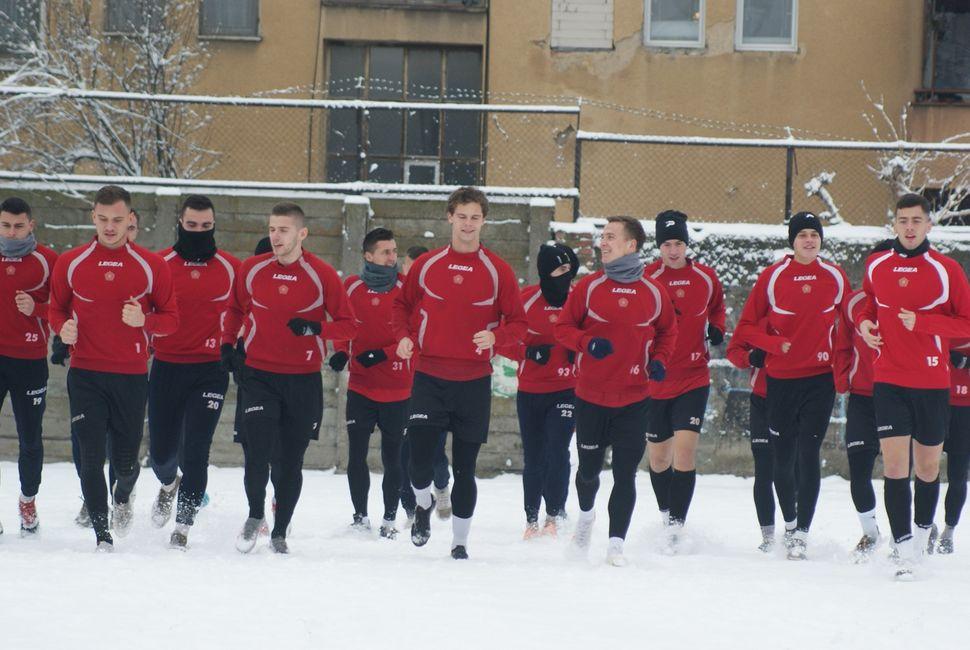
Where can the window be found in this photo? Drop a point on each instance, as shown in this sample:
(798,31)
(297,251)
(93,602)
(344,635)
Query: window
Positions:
(404,146)
(674,23)
(229,18)
(20,22)
(582,24)
(133,16)
(767,25)
(459,5)
(946,63)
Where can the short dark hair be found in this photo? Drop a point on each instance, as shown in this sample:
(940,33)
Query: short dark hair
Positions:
(197,202)
(912,200)
(416,251)
(287,209)
(111,194)
(374,236)
(15,205)
(633,228)
(468,195)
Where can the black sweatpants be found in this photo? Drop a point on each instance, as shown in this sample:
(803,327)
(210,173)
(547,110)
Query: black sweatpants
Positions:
(184,404)
(281,414)
(546,425)
(26,382)
(440,465)
(799,411)
(464,457)
(363,414)
(107,405)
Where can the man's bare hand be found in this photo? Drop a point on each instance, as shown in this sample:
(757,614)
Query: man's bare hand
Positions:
(68,332)
(484,339)
(132,315)
(405,348)
(908,318)
(25,304)
(874,341)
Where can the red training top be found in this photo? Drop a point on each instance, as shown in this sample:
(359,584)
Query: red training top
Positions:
(21,336)
(853,356)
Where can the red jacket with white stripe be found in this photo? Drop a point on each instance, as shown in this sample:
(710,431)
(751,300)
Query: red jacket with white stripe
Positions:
(203,290)
(935,287)
(558,373)
(698,300)
(269,294)
(801,303)
(390,380)
(960,377)
(25,337)
(639,321)
(92,284)
(456,295)
(737,354)
(853,357)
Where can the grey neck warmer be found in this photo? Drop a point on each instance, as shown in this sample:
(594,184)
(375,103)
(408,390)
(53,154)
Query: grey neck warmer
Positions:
(18,247)
(378,277)
(626,270)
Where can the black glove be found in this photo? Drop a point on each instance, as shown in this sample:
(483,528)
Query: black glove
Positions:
(957,360)
(338,361)
(756,358)
(538,353)
(571,356)
(715,335)
(600,348)
(656,370)
(371,357)
(304,327)
(232,361)
(60,351)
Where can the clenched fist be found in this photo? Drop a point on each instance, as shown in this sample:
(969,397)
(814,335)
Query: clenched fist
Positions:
(69,332)
(132,315)
(25,304)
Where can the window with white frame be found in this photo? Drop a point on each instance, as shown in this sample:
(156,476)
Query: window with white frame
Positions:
(767,25)
(674,23)
(229,18)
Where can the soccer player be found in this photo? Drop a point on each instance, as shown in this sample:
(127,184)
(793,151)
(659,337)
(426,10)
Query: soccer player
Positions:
(957,444)
(545,401)
(284,297)
(623,329)
(442,497)
(25,277)
(187,384)
(800,296)
(916,299)
(742,355)
(853,375)
(108,298)
(380,381)
(466,299)
(678,402)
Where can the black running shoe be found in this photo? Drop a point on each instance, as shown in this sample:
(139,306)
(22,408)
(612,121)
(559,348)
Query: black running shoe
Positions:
(279,545)
(421,528)
(459,553)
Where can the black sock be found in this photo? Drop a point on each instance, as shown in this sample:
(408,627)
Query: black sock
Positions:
(681,493)
(925,497)
(661,487)
(898,499)
(860,480)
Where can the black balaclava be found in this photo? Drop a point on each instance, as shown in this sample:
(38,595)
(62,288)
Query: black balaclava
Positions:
(195,246)
(550,258)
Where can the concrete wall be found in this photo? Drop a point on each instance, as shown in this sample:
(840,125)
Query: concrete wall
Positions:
(337,225)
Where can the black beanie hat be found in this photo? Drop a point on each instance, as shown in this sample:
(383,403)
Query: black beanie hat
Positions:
(263,246)
(800,222)
(672,224)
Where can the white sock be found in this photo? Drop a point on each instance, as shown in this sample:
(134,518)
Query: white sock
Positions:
(422,496)
(24,499)
(868,521)
(791,525)
(616,546)
(182,529)
(587,516)
(459,530)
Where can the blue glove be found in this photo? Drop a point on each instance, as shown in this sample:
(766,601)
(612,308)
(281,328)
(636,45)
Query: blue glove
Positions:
(656,370)
(600,348)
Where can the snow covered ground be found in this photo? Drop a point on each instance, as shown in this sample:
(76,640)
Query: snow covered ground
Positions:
(342,590)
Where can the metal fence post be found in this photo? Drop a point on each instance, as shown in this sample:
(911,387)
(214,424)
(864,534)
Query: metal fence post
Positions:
(789,171)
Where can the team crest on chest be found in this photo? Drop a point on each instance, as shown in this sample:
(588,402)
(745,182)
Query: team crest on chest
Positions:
(806,288)
(110,276)
(680,293)
(284,289)
(903,282)
(375,301)
(623,302)
(194,274)
(11,270)
(553,318)
(458,279)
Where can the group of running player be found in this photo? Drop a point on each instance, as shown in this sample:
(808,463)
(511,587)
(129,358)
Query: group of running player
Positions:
(621,357)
